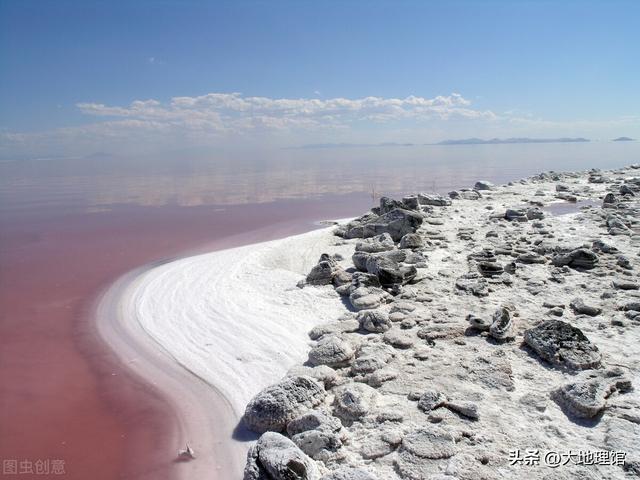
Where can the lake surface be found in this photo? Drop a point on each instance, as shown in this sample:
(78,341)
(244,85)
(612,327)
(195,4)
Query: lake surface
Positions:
(70,227)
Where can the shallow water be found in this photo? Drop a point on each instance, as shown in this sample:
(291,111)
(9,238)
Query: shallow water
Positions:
(69,227)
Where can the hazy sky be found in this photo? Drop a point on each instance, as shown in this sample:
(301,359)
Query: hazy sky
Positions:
(78,77)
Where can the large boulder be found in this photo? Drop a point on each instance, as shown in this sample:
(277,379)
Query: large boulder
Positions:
(375,321)
(387,204)
(411,241)
(275,457)
(277,405)
(381,243)
(617,226)
(483,185)
(365,298)
(579,258)
(333,351)
(389,271)
(313,420)
(322,273)
(563,344)
(397,223)
(433,200)
(354,400)
(319,445)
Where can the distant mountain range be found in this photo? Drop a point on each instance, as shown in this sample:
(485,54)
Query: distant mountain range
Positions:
(494,141)
(623,139)
(463,141)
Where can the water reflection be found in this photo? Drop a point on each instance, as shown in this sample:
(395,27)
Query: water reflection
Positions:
(100,181)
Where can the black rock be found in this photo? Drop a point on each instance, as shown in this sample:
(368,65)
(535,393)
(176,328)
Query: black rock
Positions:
(563,344)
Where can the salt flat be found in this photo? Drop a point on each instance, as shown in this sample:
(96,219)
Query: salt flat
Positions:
(235,318)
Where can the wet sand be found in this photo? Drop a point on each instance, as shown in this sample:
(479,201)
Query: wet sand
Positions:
(64,394)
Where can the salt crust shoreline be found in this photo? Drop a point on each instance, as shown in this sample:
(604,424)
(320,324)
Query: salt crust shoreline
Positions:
(211,330)
(236,320)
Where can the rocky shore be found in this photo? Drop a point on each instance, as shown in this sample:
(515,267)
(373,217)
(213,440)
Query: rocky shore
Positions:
(481,330)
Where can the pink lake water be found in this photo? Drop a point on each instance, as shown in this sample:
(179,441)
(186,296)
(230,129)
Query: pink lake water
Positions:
(70,227)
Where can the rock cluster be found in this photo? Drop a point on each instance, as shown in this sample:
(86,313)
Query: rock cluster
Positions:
(475,323)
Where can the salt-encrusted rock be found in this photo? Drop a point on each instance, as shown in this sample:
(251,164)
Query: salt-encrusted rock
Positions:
(354,400)
(371,357)
(600,246)
(617,225)
(624,262)
(478,323)
(483,185)
(609,199)
(416,258)
(635,306)
(625,285)
(531,258)
(433,200)
(326,375)
(359,260)
(319,444)
(567,197)
(563,344)
(466,409)
(430,400)
(580,258)
(381,243)
(419,450)
(473,283)
(332,328)
(534,213)
(560,187)
(376,321)
(515,215)
(333,351)
(313,420)
(380,444)
(412,241)
(388,269)
(502,325)
(341,277)
(364,298)
(578,306)
(275,457)
(586,398)
(377,378)
(349,474)
(490,269)
(278,404)
(322,273)
(388,204)
(397,223)
(465,194)
(626,190)
(429,442)
(583,399)
(399,338)
(411,202)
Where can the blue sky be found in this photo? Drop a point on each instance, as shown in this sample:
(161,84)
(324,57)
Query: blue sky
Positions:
(77,76)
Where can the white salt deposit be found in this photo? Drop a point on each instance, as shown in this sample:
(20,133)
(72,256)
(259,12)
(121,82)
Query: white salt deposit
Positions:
(236,318)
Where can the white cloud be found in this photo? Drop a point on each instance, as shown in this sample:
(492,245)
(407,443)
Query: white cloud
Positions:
(233,119)
(233,112)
